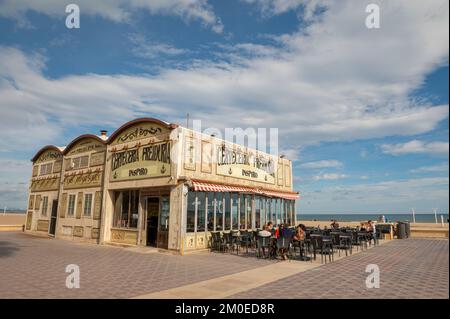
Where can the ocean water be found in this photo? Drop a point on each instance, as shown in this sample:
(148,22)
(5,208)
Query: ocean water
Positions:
(420,218)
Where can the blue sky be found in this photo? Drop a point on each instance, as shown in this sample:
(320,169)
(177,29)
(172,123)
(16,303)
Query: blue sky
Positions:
(362,112)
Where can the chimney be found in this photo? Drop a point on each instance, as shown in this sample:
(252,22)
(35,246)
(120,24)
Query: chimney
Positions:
(103,134)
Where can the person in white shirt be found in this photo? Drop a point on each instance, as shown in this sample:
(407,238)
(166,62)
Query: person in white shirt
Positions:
(265,232)
(371,229)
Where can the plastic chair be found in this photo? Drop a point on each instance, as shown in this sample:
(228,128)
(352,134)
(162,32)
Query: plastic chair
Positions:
(263,243)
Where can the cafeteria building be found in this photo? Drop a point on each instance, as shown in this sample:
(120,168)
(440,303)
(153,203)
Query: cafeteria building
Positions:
(153,183)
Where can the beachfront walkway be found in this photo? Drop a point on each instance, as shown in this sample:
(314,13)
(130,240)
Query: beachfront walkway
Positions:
(409,268)
(34,267)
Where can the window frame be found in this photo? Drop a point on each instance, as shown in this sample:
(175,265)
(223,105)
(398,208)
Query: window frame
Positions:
(131,193)
(188,205)
(44,209)
(44,169)
(79,161)
(84,204)
(68,212)
(198,211)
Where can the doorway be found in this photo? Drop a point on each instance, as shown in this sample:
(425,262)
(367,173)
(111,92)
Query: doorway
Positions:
(152,220)
(53,217)
(158,211)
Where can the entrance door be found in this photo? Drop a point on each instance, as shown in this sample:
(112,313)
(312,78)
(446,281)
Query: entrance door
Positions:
(152,220)
(163,227)
(52,228)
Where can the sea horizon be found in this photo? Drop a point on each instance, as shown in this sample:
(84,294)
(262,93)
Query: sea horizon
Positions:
(348,217)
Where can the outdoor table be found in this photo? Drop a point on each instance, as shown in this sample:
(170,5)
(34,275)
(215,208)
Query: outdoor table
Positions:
(301,245)
(386,234)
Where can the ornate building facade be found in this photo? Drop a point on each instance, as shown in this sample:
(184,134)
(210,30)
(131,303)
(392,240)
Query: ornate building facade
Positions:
(153,183)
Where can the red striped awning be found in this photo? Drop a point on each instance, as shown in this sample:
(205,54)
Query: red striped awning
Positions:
(289,196)
(211,187)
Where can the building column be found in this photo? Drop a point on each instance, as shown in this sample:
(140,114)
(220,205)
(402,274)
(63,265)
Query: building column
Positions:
(177,217)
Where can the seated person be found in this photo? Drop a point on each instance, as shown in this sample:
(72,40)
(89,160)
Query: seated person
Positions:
(300,232)
(278,230)
(265,232)
(284,232)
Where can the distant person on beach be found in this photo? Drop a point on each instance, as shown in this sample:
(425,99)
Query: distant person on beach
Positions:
(334,224)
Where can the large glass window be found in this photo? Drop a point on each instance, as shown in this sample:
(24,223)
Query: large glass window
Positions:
(227,209)
(190,217)
(257,212)
(248,205)
(71,205)
(210,214)
(242,222)
(165,213)
(234,211)
(286,212)
(219,211)
(263,210)
(294,214)
(87,205)
(201,206)
(126,209)
(282,211)
(80,162)
(46,169)
(276,204)
(44,206)
(209,211)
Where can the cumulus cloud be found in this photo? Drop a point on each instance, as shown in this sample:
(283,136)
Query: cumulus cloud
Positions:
(329,177)
(322,164)
(144,48)
(416,147)
(431,169)
(336,80)
(275,7)
(396,196)
(115,10)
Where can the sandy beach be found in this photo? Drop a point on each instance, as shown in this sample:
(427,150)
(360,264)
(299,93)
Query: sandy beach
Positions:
(12,219)
(19,219)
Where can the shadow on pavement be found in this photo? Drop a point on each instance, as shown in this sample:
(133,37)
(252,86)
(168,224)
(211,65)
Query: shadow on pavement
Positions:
(7,248)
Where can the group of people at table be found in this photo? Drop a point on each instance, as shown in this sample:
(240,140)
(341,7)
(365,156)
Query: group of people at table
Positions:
(299,234)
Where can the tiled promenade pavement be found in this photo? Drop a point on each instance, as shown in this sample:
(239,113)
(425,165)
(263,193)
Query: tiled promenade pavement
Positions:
(411,268)
(33,267)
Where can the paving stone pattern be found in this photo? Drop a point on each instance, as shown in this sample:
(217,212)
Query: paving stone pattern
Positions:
(409,268)
(33,267)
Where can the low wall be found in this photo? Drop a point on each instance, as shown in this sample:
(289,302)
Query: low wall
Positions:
(11,227)
(429,232)
(12,222)
(323,224)
(422,230)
